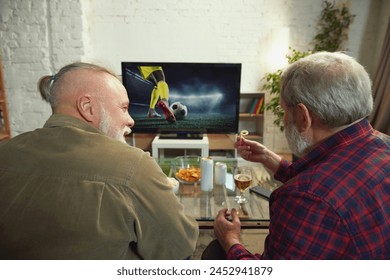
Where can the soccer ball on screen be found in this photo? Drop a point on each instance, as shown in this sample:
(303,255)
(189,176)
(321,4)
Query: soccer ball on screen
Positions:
(179,110)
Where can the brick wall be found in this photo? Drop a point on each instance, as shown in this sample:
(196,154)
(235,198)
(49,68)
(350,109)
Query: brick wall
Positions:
(38,37)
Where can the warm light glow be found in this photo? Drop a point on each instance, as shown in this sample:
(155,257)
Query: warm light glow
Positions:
(277,43)
(199,101)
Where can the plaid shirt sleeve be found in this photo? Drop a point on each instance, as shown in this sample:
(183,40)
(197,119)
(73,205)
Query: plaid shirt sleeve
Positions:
(334,203)
(284,172)
(238,252)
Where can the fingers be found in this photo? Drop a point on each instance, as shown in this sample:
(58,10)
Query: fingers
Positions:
(235,219)
(241,141)
(227,232)
(247,148)
(238,142)
(244,151)
(223,213)
(243,144)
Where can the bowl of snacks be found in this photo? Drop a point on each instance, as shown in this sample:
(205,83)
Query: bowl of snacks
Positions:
(186,169)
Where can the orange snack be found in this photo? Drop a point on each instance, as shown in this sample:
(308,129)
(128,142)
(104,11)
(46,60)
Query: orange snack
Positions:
(191,174)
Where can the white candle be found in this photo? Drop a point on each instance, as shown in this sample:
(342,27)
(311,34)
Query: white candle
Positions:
(220,173)
(206,169)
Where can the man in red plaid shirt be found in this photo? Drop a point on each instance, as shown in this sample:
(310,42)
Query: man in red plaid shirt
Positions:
(335,200)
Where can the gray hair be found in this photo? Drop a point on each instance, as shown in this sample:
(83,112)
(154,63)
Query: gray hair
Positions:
(48,85)
(333,86)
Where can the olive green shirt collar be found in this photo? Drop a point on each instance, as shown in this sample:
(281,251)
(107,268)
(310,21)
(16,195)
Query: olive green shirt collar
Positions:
(61,120)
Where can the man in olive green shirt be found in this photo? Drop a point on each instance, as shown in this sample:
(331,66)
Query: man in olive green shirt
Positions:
(71,190)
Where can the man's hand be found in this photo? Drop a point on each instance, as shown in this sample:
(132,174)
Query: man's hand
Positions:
(254,151)
(227,232)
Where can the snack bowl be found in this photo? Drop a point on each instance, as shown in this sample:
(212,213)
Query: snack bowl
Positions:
(186,169)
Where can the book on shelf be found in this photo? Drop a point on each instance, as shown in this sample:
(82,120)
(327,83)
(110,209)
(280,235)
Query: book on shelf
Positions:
(257,106)
(253,106)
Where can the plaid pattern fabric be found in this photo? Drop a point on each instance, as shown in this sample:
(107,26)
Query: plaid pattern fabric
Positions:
(335,201)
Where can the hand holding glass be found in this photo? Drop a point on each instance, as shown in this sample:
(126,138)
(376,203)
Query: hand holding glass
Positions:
(243,180)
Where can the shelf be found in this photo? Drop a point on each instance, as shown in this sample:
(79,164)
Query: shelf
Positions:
(254,137)
(252,122)
(248,115)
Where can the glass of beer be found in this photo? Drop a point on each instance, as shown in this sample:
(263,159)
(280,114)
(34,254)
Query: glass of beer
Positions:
(243,180)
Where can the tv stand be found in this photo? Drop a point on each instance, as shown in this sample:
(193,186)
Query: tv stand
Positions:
(181,136)
(180,143)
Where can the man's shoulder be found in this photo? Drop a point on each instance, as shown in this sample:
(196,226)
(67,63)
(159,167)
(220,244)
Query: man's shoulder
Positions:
(381,137)
(117,151)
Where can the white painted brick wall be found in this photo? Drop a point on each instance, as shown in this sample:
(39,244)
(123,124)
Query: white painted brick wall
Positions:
(39,37)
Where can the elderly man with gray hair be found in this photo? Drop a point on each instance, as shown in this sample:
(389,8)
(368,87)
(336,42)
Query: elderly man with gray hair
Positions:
(335,199)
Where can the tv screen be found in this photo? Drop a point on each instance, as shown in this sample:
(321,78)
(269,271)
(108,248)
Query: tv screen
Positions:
(204,97)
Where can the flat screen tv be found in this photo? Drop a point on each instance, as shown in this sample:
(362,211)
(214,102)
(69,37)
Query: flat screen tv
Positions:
(205,97)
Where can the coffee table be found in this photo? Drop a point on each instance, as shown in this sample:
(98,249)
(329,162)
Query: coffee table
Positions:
(204,206)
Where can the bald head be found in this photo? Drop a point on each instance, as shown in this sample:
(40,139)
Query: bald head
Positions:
(76,84)
(90,93)
(72,80)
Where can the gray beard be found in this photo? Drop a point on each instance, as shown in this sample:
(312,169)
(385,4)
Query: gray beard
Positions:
(105,127)
(298,144)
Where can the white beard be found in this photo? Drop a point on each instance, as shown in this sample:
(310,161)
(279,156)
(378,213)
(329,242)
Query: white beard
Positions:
(106,127)
(299,144)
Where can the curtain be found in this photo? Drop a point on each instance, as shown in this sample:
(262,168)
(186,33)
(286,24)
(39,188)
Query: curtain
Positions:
(380,117)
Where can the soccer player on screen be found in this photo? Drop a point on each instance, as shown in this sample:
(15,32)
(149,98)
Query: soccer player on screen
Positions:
(155,74)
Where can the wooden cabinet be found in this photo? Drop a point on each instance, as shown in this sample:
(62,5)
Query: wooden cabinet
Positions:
(4,121)
(252,119)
